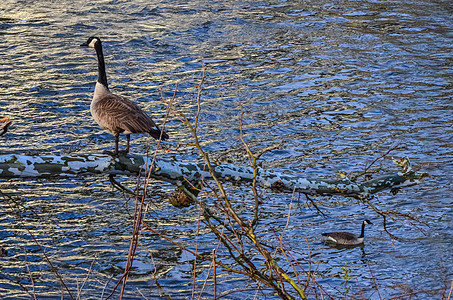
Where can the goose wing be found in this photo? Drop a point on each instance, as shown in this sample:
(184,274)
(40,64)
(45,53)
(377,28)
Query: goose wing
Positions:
(120,115)
(340,236)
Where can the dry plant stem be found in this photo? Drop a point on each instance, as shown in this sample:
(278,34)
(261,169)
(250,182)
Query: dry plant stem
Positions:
(232,291)
(173,242)
(138,214)
(309,264)
(215,273)
(451,290)
(314,204)
(374,281)
(191,252)
(32,281)
(204,155)
(321,288)
(228,244)
(161,290)
(199,90)
(252,160)
(49,262)
(252,271)
(384,215)
(241,258)
(119,186)
(86,279)
(194,274)
(309,273)
(289,213)
(362,295)
(285,253)
(272,265)
(53,268)
(207,277)
(105,287)
(416,293)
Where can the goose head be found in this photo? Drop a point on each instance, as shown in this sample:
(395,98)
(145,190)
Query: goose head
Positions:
(91,42)
(367,222)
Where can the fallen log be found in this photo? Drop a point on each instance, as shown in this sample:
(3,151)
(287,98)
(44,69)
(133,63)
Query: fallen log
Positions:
(20,166)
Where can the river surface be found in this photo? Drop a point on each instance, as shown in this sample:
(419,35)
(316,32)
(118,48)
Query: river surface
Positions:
(342,82)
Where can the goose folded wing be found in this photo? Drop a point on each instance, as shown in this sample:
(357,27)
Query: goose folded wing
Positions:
(123,115)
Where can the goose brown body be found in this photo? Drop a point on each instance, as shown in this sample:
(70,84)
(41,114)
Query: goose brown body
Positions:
(117,115)
(114,113)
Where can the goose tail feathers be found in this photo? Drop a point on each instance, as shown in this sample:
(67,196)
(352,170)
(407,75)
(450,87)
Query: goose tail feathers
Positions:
(156,134)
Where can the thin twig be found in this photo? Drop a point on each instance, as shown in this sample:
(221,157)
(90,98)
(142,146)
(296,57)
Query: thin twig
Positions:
(162,292)
(173,242)
(86,278)
(195,257)
(215,274)
(309,264)
(314,204)
(31,279)
(285,252)
(119,186)
(451,290)
(139,211)
(374,161)
(374,281)
(252,160)
(415,293)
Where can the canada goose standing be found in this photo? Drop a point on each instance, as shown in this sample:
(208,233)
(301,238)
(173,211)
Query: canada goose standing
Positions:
(346,238)
(114,113)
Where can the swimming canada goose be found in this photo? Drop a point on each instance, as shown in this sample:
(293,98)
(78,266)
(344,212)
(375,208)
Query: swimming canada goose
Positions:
(346,238)
(114,113)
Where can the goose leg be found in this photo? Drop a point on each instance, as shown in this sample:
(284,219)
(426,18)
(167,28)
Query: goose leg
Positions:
(117,140)
(114,153)
(128,136)
(125,151)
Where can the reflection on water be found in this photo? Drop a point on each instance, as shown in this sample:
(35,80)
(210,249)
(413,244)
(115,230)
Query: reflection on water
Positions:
(340,82)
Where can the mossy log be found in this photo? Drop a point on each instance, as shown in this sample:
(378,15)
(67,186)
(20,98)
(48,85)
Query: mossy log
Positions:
(20,166)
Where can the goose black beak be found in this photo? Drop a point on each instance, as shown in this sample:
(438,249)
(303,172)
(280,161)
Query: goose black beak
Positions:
(84,44)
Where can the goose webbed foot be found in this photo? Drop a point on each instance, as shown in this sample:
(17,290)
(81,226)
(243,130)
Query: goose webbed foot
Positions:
(123,152)
(111,153)
(115,153)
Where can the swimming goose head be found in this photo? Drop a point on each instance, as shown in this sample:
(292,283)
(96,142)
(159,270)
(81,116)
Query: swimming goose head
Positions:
(367,222)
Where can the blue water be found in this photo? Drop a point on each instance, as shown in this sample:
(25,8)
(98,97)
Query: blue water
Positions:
(341,82)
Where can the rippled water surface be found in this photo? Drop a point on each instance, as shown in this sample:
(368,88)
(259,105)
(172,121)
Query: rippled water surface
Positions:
(341,82)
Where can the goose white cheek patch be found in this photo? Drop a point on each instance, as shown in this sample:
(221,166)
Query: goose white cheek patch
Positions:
(91,44)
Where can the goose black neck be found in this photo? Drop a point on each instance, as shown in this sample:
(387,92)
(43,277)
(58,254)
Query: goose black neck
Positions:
(362,233)
(101,64)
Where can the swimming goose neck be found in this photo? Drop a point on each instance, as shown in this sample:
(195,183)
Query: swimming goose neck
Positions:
(362,233)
